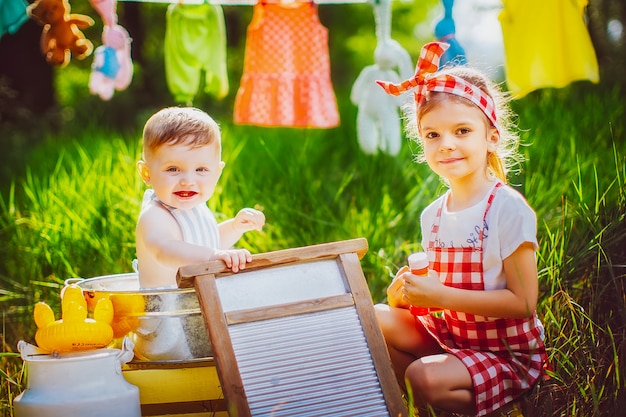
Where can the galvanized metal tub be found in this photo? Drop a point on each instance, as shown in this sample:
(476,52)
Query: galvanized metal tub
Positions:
(165,325)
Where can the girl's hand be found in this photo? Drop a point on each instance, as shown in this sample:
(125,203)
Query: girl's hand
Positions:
(235,259)
(394,291)
(249,219)
(421,291)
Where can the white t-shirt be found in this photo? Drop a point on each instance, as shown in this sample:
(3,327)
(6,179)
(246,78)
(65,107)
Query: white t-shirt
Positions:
(509,223)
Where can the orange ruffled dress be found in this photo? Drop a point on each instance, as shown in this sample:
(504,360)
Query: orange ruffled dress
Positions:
(286,74)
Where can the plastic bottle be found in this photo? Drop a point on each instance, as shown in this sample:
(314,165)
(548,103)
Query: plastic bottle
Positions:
(418,264)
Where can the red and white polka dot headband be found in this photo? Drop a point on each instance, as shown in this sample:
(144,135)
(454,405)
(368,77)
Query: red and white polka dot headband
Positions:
(426,79)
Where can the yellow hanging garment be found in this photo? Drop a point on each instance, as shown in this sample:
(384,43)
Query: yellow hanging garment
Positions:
(546,44)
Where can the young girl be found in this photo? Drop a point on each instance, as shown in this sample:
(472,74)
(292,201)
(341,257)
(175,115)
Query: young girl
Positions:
(486,348)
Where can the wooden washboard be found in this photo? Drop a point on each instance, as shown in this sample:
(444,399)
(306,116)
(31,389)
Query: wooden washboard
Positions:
(295,334)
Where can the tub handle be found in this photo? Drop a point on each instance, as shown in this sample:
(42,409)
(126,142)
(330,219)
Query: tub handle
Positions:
(126,352)
(27,350)
(70,281)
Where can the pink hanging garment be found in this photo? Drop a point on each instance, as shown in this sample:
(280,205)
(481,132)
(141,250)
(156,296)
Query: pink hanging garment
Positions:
(286,74)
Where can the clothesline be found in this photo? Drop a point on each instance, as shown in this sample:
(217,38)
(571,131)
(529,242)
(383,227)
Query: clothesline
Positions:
(237,2)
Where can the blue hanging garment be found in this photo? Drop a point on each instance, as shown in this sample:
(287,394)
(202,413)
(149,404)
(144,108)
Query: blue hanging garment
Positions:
(445,31)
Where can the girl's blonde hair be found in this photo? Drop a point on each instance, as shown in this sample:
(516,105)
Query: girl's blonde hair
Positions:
(506,158)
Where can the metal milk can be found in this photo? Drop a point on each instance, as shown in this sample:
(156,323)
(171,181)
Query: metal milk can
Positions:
(82,384)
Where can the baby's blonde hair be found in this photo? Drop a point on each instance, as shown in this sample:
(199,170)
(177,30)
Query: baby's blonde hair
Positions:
(180,125)
(506,158)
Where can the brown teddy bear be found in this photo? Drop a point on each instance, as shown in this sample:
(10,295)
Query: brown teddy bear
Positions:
(61,36)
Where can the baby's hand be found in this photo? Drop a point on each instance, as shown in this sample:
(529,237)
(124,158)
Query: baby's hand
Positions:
(249,219)
(235,259)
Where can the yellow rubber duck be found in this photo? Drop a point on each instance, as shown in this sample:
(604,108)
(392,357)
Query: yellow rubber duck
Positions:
(74,331)
(128,307)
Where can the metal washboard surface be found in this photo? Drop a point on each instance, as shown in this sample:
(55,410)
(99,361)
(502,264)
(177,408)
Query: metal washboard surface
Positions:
(319,365)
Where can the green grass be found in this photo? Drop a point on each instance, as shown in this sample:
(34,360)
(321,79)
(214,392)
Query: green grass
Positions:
(72,214)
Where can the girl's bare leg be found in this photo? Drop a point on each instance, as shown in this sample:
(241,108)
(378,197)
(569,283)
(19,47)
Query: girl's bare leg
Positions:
(435,377)
(406,338)
(444,382)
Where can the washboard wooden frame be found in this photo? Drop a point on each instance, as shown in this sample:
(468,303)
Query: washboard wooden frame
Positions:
(254,347)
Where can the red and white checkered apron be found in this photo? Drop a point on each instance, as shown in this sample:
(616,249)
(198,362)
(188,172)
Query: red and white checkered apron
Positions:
(286,72)
(504,356)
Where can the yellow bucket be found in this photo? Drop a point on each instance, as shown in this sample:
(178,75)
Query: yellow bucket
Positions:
(179,390)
